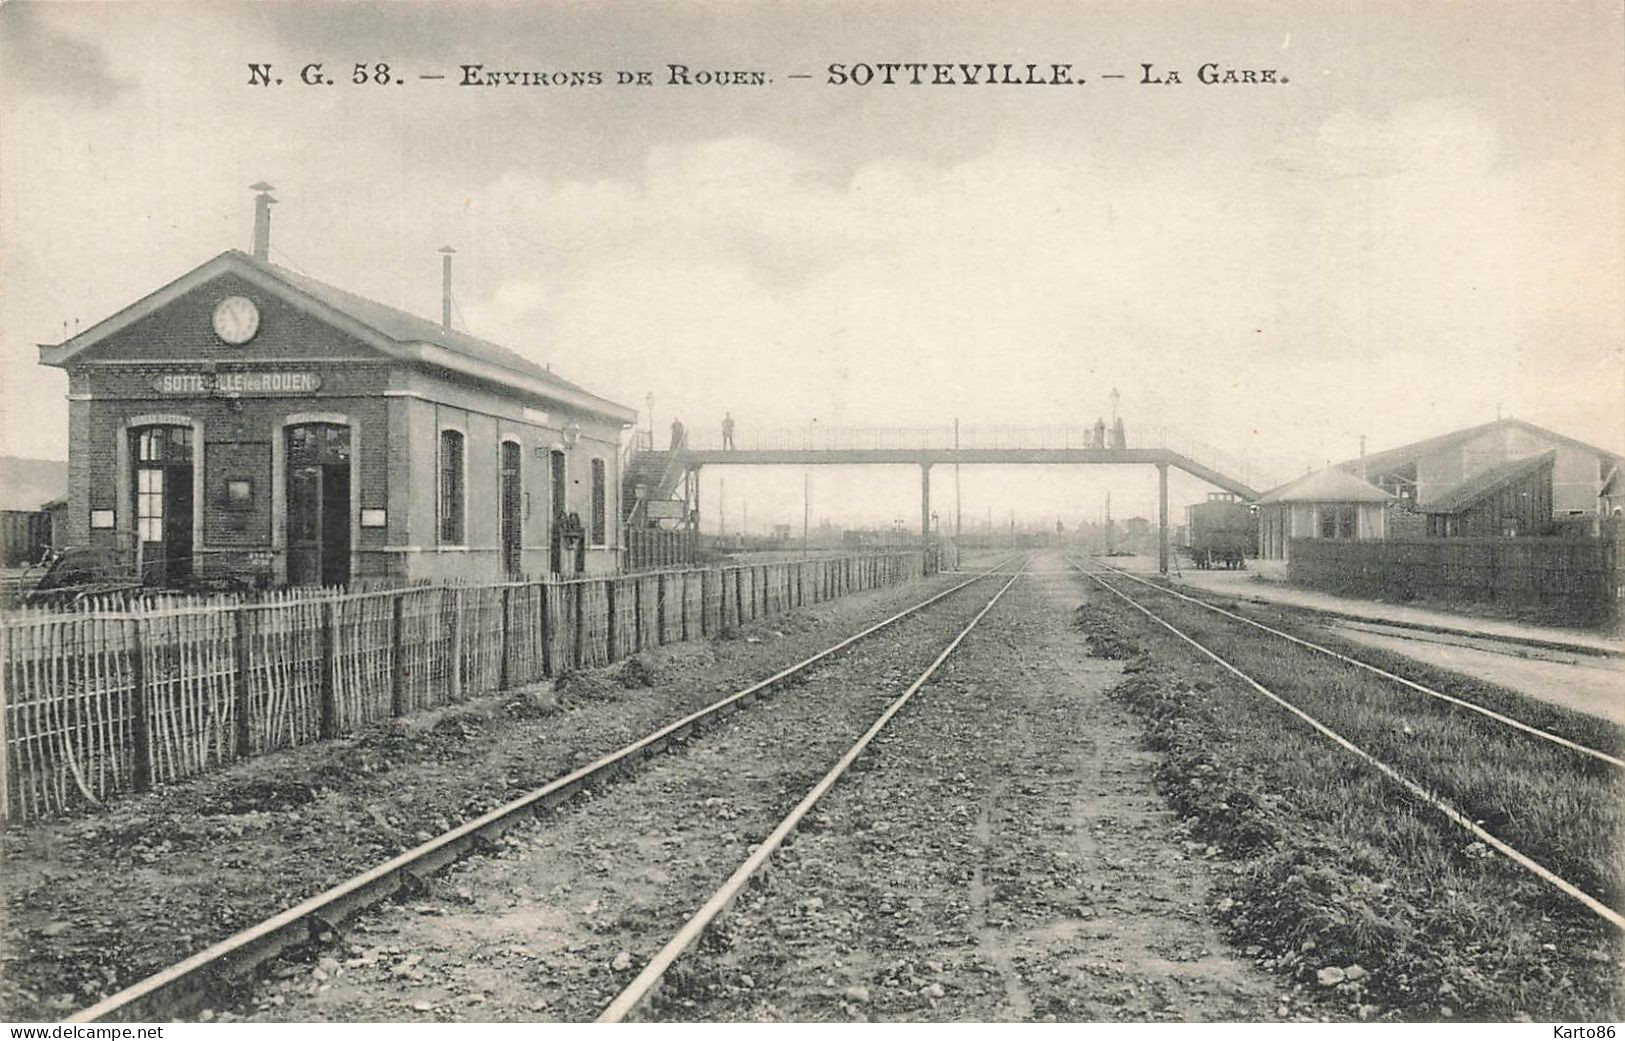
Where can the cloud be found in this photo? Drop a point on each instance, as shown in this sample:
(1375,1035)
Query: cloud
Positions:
(1020,284)
(1428,138)
(40,58)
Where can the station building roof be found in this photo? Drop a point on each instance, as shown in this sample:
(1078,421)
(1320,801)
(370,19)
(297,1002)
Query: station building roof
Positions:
(396,333)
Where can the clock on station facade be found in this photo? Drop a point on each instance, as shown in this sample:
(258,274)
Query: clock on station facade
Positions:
(236,320)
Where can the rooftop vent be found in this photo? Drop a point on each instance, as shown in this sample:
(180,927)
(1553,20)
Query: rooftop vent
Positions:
(445,286)
(262,219)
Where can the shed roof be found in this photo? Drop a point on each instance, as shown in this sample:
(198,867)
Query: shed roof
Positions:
(1461,497)
(1329,485)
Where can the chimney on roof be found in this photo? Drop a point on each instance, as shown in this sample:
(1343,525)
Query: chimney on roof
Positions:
(262,220)
(445,285)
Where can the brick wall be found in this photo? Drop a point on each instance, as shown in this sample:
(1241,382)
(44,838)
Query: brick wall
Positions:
(396,412)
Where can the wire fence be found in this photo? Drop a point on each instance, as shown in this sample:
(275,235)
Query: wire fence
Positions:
(110,697)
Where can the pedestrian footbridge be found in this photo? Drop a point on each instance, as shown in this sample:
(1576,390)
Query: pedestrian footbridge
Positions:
(927,447)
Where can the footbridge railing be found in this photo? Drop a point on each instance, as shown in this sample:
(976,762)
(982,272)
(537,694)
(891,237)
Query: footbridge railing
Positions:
(818,438)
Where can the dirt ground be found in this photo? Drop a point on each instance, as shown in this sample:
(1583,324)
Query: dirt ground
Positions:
(1000,853)
(1004,851)
(96,902)
(1003,856)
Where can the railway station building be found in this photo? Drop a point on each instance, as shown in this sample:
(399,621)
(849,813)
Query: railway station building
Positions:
(251,420)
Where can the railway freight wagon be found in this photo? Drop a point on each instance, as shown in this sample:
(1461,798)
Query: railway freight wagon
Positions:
(1220,532)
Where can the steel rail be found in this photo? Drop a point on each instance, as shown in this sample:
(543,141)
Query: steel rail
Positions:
(1534,731)
(1483,643)
(1455,816)
(645,982)
(186,983)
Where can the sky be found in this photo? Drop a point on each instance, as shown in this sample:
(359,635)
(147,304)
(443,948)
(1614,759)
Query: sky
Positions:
(1423,228)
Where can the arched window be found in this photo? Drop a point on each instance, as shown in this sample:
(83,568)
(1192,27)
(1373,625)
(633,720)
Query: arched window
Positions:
(600,492)
(451,488)
(510,495)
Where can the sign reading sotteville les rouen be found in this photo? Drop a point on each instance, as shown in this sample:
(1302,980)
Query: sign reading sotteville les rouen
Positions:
(236,383)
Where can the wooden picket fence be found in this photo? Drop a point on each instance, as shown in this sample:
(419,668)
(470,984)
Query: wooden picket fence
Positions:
(109,697)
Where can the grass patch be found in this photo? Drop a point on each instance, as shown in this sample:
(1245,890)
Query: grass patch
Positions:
(1369,900)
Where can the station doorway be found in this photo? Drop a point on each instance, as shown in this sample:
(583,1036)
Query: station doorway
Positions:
(318,488)
(162,460)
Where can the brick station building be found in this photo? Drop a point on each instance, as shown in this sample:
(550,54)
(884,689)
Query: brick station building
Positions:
(245,418)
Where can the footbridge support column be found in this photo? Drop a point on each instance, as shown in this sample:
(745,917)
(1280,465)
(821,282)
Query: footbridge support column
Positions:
(1162,518)
(925,516)
(692,495)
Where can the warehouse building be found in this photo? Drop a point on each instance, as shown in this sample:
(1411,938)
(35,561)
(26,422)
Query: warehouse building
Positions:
(245,418)
(1434,475)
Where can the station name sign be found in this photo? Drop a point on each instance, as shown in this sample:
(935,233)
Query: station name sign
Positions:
(257,383)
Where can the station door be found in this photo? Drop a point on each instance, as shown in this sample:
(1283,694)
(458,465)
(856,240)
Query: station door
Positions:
(161,458)
(318,504)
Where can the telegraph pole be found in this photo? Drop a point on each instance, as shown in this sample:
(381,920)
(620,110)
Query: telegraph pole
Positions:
(1162,518)
(806,507)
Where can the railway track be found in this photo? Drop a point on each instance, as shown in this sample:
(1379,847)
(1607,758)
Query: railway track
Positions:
(648,979)
(1354,662)
(1532,650)
(1099,575)
(187,985)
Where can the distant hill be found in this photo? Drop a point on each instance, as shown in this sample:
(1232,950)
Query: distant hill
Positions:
(28,484)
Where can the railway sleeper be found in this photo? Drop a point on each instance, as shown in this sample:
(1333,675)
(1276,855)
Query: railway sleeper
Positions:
(411,883)
(321,928)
